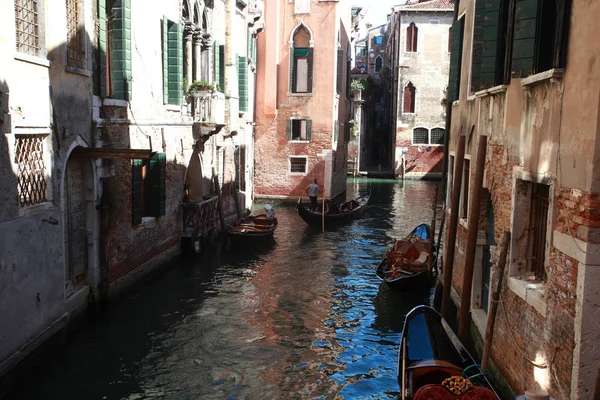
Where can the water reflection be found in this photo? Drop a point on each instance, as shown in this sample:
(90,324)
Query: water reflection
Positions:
(305,317)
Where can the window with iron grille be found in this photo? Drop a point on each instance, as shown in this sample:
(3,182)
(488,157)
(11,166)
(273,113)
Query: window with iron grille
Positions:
(420,136)
(27,26)
(437,136)
(75,43)
(538,223)
(298,165)
(31,179)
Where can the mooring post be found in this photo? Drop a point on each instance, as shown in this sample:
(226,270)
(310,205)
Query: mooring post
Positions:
(473,227)
(451,238)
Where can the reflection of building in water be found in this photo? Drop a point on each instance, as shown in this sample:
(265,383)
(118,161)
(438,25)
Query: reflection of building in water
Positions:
(291,310)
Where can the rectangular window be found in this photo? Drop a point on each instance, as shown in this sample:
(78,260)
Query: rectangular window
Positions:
(241,167)
(340,64)
(27,25)
(148,187)
(172,35)
(540,36)
(298,165)
(538,223)
(75,32)
(301,73)
(437,136)
(450,180)
(466,178)
(299,129)
(301,6)
(31,178)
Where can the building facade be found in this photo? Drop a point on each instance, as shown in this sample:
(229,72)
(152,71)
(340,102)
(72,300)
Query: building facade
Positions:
(302,98)
(122,128)
(418,46)
(522,81)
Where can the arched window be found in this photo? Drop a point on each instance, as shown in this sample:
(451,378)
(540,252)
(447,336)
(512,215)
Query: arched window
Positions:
(437,135)
(301,60)
(412,36)
(420,136)
(378,63)
(409,98)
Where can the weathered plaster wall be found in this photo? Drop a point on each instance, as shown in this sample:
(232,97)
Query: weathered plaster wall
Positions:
(427,69)
(275,105)
(544,131)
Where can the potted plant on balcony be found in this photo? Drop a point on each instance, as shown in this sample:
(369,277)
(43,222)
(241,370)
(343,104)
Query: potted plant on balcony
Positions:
(200,88)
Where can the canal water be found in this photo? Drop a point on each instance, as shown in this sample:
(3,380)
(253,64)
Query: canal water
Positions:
(303,318)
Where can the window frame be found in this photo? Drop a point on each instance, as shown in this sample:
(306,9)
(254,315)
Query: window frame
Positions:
(294,70)
(413,136)
(413,96)
(289,169)
(40,52)
(79,62)
(40,173)
(148,180)
(465,190)
(412,33)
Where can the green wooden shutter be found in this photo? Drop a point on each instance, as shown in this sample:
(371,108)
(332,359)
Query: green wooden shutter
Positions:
(121,54)
(292,83)
(137,191)
(156,177)
(289,129)
(217,57)
(340,60)
(336,130)
(310,69)
(308,129)
(222,67)
(165,53)
(490,71)
(523,52)
(102,46)
(477,46)
(455,60)
(243,82)
(175,48)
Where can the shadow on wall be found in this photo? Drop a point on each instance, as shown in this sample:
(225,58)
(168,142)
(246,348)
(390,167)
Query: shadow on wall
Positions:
(8,179)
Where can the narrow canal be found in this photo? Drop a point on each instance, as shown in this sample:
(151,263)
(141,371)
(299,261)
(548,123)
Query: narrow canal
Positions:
(305,317)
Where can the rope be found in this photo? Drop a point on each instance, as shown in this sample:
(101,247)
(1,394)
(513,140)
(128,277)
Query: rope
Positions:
(512,335)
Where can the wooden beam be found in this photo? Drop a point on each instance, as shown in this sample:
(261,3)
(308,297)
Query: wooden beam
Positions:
(452,224)
(473,227)
(127,154)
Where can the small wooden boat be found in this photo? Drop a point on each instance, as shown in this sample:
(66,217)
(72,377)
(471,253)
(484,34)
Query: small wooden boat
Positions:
(253,228)
(434,364)
(405,266)
(343,213)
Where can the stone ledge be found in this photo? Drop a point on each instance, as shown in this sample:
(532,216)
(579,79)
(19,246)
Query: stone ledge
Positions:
(583,252)
(555,73)
(531,292)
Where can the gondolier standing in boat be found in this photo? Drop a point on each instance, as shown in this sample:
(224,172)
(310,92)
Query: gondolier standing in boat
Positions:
(312,191)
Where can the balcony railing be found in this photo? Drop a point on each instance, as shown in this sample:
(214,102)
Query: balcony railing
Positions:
(200,218)
(209,107)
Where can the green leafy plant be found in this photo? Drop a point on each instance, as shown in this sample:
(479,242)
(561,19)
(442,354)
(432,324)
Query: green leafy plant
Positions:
(185,85)
(357,85)
(201,86)
(353,128)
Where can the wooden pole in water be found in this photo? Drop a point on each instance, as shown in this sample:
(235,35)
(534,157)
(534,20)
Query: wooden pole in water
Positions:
(219,204)
(323,206)
(473,225)
(432,234)
(491,319)
(452,224)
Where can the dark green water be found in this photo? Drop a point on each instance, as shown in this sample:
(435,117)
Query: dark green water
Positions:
(305,317)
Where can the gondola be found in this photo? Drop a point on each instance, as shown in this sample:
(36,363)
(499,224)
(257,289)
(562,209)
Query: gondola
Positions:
(434,364)
(253,228)
(343,213)
(405,266)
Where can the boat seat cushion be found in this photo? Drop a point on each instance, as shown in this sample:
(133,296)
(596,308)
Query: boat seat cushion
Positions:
(438,392)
